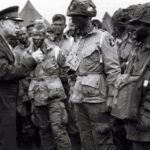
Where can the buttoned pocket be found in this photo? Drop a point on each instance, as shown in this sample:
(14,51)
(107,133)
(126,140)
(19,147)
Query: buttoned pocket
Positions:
(92,52)
(94,85)
(49,65)
(55,88)
(92,57)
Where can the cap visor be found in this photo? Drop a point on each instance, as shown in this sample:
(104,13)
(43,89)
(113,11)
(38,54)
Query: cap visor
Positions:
(18,19)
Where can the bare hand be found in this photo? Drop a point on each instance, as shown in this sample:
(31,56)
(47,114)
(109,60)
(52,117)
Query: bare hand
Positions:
(38,56)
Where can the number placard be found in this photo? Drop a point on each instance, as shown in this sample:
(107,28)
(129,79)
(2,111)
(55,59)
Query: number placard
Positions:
(73,61)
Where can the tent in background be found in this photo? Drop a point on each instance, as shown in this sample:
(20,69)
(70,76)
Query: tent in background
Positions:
(107,23)
(29,14)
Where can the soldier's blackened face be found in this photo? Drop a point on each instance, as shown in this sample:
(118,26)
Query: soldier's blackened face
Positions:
(80,22)
(23,36)
(71,28)
(38,38)
(12,40)
(142,32)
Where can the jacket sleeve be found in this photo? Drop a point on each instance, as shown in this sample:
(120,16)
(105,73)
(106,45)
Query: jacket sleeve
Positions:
(12,71)
(111,61)
(17,55)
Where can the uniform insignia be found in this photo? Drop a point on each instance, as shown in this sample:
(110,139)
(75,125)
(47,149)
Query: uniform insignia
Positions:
(111,42)
(73,61)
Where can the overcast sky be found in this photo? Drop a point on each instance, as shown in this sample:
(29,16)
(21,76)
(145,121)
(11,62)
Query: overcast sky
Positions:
(48,8)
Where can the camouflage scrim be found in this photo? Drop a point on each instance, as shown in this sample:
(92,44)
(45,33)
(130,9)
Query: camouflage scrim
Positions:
(82,7)
(123,19)
(144,16)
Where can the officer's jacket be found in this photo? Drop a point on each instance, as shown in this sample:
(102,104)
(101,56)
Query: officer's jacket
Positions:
(19,52)
(45,83)
(10,73)
(98,68)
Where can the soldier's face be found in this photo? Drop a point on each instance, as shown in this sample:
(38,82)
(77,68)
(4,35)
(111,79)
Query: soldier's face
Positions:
(12,41)
(80,22)
(71,28)
(38,38)
(23,36)
(10,27)
(141,32)
(59,26)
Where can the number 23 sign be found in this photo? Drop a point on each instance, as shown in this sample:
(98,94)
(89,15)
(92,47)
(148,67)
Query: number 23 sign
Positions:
(73,61)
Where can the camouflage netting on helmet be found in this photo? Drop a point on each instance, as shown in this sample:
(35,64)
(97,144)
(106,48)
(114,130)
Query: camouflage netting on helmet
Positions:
(122,17)
(82,7)
(119,19)
(135,11)
(145,16)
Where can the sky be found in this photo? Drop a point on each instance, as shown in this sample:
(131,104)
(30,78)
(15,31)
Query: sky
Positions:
(47,8)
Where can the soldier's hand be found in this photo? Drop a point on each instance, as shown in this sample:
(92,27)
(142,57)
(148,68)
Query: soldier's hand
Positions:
(38,56)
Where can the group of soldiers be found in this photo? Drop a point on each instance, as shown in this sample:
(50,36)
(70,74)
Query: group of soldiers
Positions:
(82,89)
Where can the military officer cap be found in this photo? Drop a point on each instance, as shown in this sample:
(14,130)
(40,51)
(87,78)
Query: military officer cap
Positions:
(82,7)
(10,13)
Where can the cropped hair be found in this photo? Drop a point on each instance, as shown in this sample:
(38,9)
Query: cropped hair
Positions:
(57,17)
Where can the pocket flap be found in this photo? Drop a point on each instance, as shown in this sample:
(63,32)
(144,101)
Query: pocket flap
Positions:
(89,50)
(92,80)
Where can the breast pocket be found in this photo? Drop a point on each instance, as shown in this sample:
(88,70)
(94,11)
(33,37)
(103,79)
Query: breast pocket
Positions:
(92,56)
(55,88)
(49,64)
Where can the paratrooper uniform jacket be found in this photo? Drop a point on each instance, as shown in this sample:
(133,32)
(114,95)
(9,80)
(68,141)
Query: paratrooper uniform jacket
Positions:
(65,44)
(135,68)
(97,67)
(46,85)
(19,52)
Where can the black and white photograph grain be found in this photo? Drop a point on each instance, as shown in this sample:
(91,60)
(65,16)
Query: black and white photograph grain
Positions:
(74,74)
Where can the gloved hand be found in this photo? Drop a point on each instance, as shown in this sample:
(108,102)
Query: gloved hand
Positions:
(38,56)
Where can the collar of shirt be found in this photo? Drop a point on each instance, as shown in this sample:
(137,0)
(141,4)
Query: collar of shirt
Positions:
(10,47)
(91,32)
(63,37)
(59,42)
(6,48)
(43,48)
